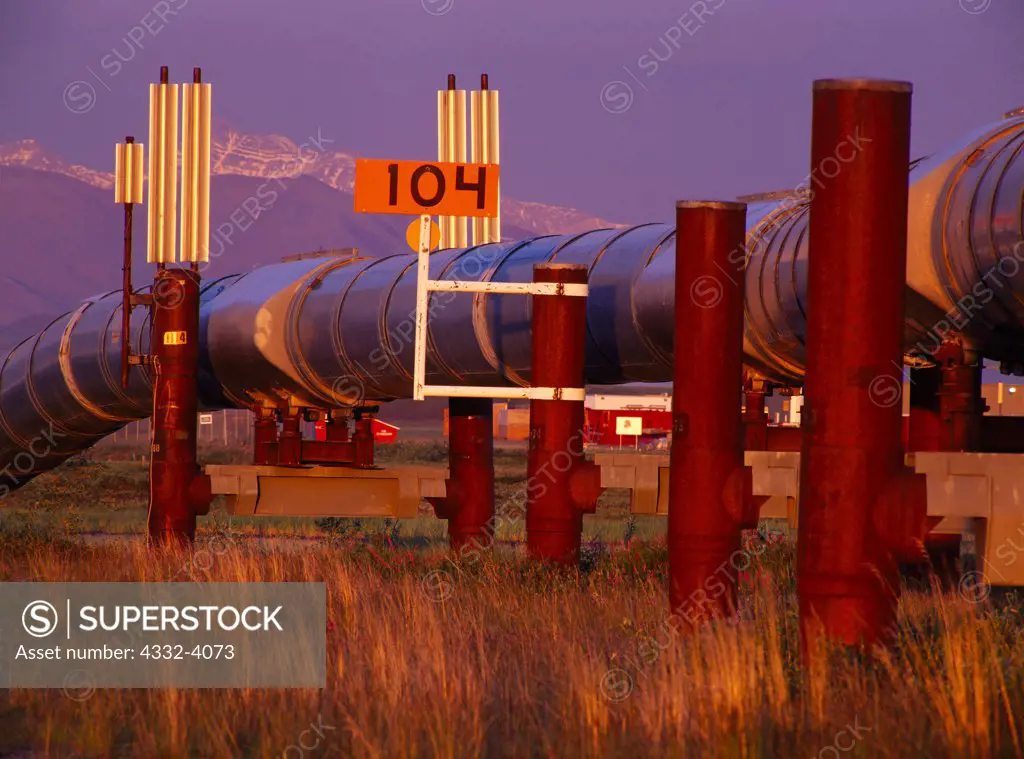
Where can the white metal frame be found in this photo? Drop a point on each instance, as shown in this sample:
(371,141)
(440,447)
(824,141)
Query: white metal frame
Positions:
(425,285)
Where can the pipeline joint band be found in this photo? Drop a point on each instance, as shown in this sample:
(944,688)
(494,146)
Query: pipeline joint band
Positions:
(64,362)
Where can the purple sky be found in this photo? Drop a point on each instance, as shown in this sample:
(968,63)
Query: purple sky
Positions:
(726,111)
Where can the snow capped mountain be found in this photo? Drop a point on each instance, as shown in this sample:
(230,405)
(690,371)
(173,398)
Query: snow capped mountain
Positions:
(32,155)
(62,234)
(269,156)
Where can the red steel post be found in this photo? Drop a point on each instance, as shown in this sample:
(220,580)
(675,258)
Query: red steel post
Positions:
(337,428)
(755,421)
(469,504)
(362,440)
(861,510)
(960,399)
(946,405)
(289,448)
(265,436)
(709,487)
(178,490)
(946,414)
(561,485)
(925,433)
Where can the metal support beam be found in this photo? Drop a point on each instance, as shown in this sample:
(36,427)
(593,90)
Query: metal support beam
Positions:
(326,491)
(178,490)
(775,475)
(961,403)
(128,176)
(289,448)
(469,502)
(861,510)
(711,492)
(946,414)
(362,440)
(925,432)
(561,484)
(264,436)
(755,421)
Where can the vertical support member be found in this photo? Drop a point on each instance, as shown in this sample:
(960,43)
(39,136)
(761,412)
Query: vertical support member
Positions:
(861,509)
(710,490)
(561,485)
(946,414)
(179,491)
(469,503)
(128,176)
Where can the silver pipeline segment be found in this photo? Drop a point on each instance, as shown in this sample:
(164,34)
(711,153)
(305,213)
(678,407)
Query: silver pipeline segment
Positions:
(775,277)
(970,229)
(60,391)
(328,332)
(338,331)
(965,262)
(341,329)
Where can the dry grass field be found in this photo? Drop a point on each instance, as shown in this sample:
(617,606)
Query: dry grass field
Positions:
(494,656)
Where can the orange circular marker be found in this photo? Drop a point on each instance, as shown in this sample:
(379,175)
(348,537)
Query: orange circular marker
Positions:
(412,235)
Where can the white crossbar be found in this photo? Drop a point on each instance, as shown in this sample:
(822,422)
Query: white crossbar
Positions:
(508,288)
(524,393)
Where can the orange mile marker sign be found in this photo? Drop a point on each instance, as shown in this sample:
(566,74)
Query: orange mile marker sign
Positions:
(418,187)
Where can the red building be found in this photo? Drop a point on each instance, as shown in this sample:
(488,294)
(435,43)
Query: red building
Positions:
(628,421)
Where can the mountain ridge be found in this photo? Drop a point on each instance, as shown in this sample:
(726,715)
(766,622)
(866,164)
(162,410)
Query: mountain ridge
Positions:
(270,156)
(60,234)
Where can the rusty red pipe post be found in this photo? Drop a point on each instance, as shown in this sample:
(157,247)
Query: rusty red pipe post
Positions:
(946,413)
(469,503)
(962,408)
(925,433)
(178,490)
(946,404)
(362,440)
(289,447)
(709,487)
(265,436)
(961,403)
(337,428)
(561,485)
(861,510)
(755,420)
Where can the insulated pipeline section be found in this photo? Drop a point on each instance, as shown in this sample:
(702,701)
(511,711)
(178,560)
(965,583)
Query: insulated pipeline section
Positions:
(333,332)
(980,258)
(60,391)
(346,330)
